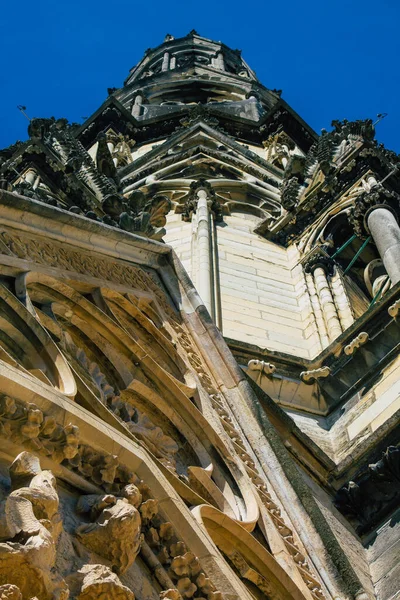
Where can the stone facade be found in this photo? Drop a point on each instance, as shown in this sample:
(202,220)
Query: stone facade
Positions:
(199,346)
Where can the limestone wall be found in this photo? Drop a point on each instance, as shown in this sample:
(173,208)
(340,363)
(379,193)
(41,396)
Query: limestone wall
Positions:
(262,288)
(179,236)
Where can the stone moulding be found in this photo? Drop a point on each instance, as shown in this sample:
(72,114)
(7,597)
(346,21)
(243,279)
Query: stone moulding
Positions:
(60,256)
(231,428)
(36,430)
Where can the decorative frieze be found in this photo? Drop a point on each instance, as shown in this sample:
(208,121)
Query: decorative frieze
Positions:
(240,446)
(53,254)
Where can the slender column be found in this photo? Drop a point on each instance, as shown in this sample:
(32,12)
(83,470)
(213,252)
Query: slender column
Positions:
(165,62)
(203,250)
(317,311)
(386,234)
(327,304)
(172,62)
(217,308)
(193,250)
(341,301)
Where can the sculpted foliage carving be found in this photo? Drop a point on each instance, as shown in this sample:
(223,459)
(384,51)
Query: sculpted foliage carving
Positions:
(119,524)
(28,425)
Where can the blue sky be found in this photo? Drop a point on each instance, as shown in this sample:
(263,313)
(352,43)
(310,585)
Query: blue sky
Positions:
(333,60)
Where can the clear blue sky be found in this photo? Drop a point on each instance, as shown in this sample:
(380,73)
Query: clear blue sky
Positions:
(333,60)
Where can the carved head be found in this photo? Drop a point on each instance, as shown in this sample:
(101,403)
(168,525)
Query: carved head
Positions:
(25,466)
(132,494)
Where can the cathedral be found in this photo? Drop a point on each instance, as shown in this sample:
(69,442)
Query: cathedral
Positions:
(199,346)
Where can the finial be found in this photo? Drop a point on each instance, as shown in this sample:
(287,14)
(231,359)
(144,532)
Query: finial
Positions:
(168,38)
(23,109)
(379,118)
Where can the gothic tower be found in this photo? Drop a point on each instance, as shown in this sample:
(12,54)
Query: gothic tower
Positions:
(199,341)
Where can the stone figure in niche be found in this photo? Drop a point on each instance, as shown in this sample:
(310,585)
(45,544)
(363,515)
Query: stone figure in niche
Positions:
(29,528)
(115,533)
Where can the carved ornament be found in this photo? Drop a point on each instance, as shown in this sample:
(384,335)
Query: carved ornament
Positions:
(311,376)
(394,309)
(55,255)
(356,343)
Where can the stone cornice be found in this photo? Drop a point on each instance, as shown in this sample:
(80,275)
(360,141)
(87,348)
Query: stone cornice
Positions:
(377,322)
(63,226)
(242,153)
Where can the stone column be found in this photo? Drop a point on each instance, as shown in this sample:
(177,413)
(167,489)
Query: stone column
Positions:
(165,62)
(172,63)
(204,250)
(341,301)
(385,232)
(327,303)
(217,307)
(317,311)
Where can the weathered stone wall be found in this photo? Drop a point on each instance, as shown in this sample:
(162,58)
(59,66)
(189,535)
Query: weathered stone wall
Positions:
(262,288)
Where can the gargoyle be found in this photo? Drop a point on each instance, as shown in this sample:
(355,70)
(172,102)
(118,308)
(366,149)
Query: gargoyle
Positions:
(150,220)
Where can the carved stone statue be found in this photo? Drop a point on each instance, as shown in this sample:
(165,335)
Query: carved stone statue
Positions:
(29,528)
(100,583)
(116,533)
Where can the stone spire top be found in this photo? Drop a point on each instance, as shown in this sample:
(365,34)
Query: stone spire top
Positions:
(192,70)
(189,51)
